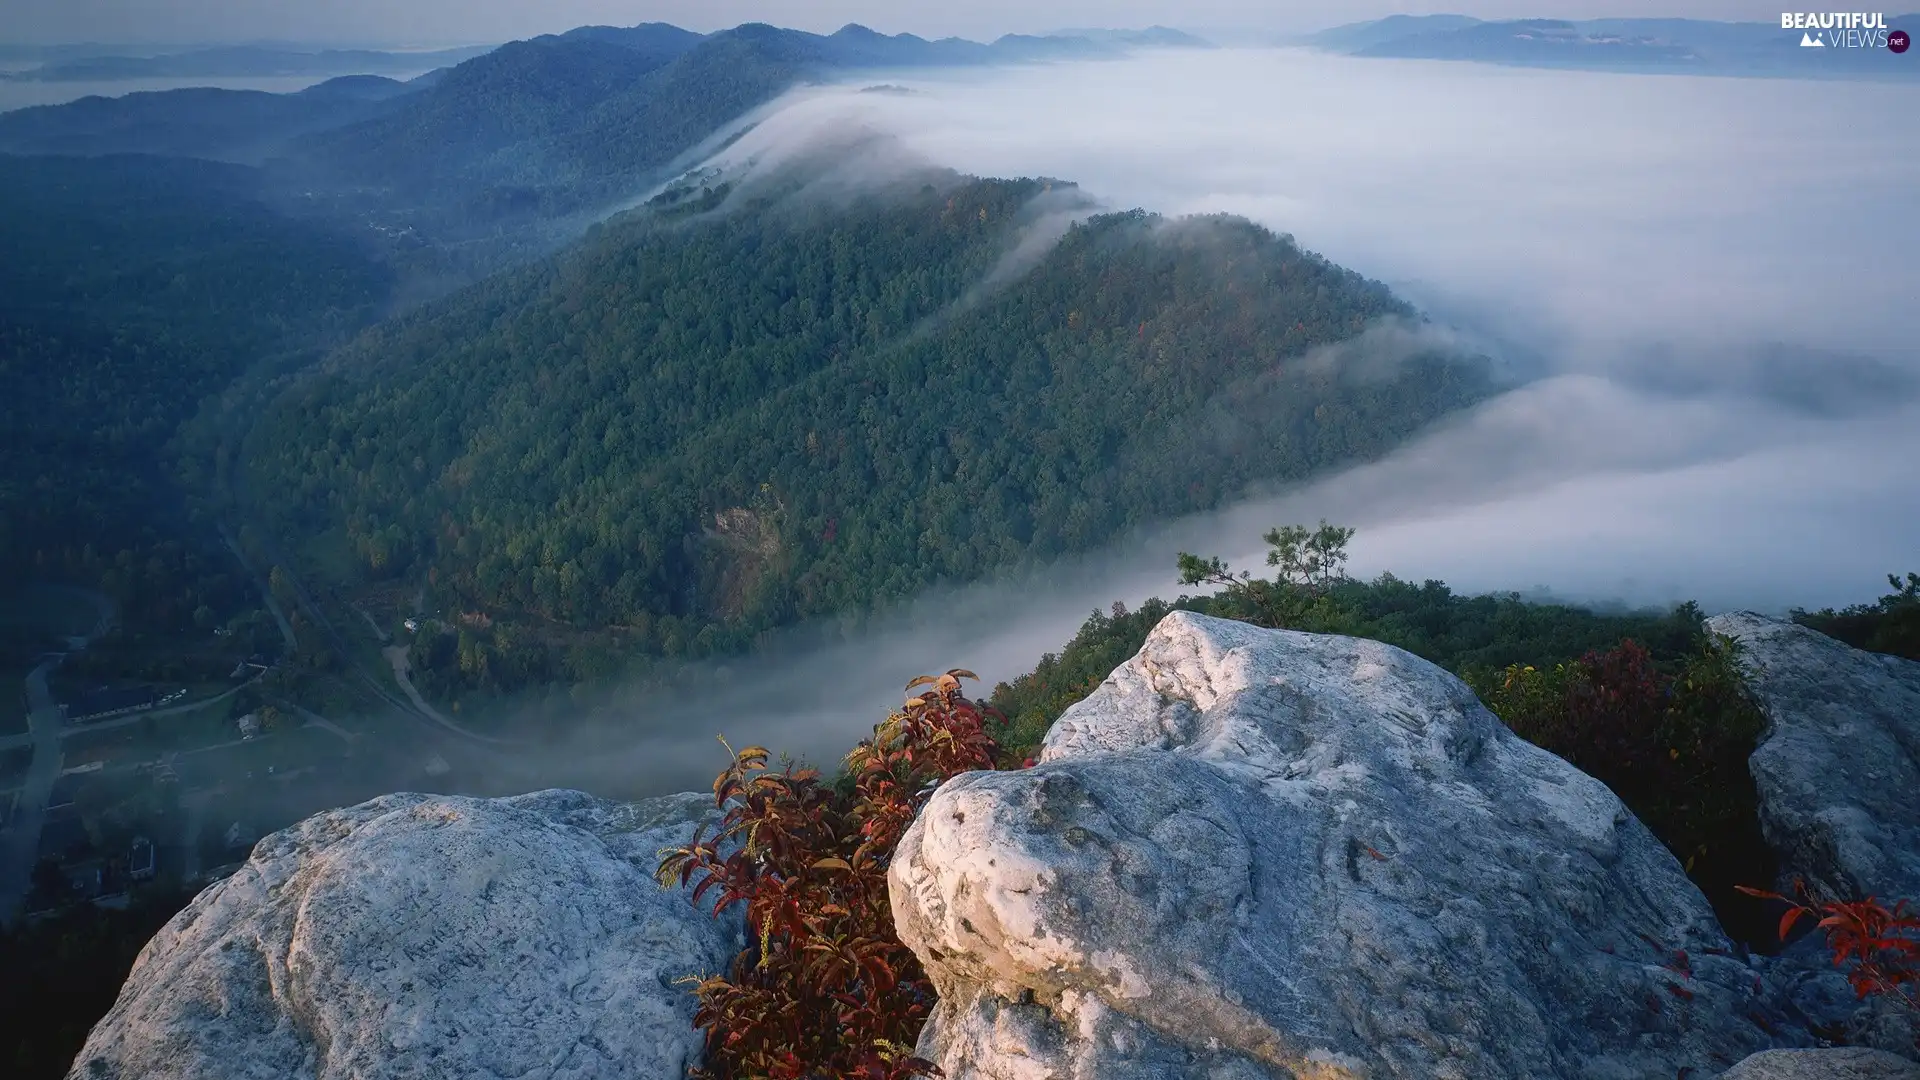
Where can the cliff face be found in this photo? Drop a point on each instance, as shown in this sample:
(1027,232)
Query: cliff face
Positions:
(425,936)
(1250,855)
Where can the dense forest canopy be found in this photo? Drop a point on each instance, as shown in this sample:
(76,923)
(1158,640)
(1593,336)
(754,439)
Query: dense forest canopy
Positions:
(716,426)
(135,287)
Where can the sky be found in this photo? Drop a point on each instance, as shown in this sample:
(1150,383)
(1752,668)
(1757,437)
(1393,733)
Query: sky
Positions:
(1708,282)
(460,22)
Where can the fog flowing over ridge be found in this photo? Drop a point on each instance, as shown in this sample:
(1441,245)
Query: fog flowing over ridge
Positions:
(1702,285)
(1712,278)
(1704,289)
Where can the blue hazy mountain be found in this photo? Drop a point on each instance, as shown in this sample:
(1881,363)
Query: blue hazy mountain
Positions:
(1157,37)
(241,126)
(527,132)
(1355,36)
(243,61)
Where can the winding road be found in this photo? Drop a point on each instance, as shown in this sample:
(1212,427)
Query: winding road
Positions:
(403,674)
(396,655)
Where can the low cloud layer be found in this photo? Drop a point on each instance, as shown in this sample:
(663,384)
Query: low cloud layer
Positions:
(1716,278)
(1706,288)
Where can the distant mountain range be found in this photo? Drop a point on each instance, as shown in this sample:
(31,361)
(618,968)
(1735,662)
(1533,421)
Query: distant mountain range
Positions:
(243,61)
(1640,45)
(106,63)
(502,145)
(1153,36)
(239,126)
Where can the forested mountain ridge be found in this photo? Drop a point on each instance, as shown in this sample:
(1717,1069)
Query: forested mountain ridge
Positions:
(703,429)
(558,124)
(245,61)
(369,194)
(242,126)
(135,287)
(532,131)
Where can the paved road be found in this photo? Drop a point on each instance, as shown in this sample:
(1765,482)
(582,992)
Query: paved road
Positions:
(402,673)
(20,843)
(412,704)
(12,741)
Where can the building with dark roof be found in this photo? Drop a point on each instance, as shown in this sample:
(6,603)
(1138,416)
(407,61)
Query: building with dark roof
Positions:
(102,702)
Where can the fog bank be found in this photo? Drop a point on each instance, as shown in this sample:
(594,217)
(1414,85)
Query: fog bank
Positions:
(1707,287)
(1716,278)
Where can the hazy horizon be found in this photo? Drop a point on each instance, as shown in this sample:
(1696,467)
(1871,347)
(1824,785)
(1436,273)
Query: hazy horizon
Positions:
(445,23)
(27,93)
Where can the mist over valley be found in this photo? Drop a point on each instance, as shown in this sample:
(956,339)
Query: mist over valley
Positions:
(1715,401)
(484,420)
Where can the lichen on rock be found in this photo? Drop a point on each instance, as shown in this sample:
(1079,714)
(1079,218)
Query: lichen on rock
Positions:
(1270,854)
(429,936)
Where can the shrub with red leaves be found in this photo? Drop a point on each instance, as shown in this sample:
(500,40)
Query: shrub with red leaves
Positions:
(1878,946)
(825,990)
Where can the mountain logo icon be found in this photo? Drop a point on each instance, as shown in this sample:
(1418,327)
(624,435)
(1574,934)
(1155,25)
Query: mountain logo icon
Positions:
(1808,41)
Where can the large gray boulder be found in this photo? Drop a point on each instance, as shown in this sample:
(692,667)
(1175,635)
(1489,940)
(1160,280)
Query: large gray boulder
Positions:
(1838,768)
(1839,1063)
(427,936)
(1261,854)
(1836,774)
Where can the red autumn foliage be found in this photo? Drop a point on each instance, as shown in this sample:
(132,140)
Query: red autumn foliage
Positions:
(825,990)
(1879,946)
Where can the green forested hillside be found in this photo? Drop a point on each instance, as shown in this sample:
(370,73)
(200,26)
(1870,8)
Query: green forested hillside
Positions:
(702,429)
(1890,624)
(135,287)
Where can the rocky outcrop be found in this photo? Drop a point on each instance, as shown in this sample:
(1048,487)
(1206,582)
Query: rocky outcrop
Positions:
(1840,1063)
(1259,854)
(1250,855)
(427,936)
(1835,772)
(1839,765)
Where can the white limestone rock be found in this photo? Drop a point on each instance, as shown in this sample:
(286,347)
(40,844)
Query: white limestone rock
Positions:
(1838,769)
(428,936)
(1261,854)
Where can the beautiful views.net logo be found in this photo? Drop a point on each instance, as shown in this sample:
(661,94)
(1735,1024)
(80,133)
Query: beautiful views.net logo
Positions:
(1844,30)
